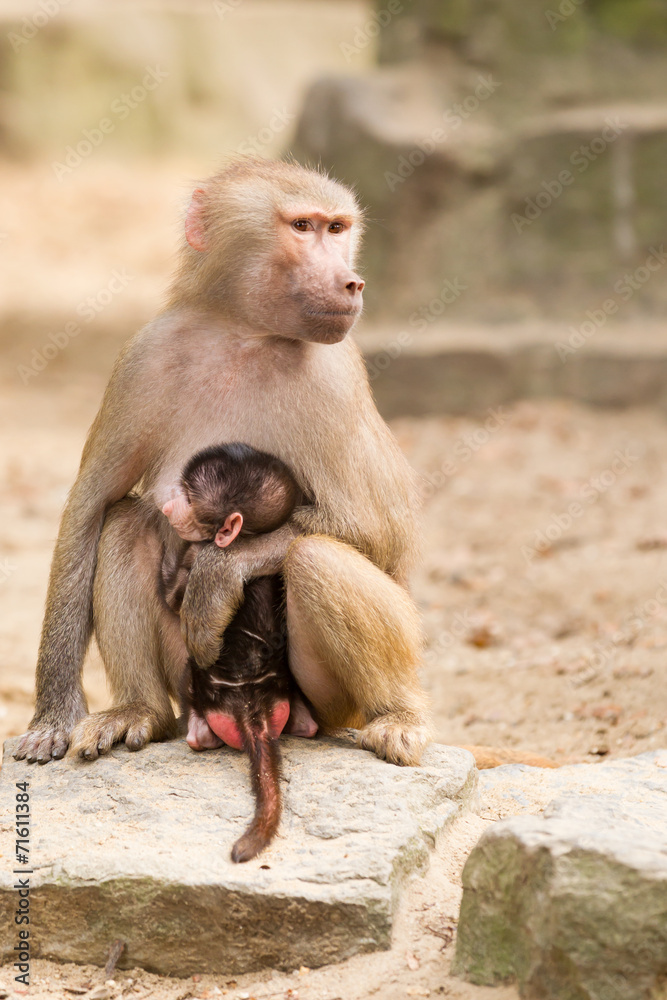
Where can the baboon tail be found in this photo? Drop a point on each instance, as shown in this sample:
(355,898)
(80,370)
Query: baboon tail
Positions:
(265,770)
(497,756)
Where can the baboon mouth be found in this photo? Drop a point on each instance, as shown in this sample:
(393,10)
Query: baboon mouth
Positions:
(336,312)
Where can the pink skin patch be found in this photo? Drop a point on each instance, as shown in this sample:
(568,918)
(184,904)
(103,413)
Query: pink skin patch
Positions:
(224,726)
(301,722)
(200,735)
(181,517)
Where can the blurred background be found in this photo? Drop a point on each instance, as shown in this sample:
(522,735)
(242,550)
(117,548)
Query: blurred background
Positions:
(511,158)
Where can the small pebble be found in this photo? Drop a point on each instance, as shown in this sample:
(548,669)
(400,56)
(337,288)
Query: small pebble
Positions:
(99,993)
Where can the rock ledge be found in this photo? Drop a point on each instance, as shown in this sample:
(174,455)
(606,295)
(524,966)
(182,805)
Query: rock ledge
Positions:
(573,904)
(136,846)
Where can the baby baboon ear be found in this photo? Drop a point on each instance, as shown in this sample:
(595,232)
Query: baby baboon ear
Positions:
(229,530)
(194,221)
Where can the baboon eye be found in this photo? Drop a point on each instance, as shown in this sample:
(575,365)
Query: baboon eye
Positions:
(336,228)
(302,225)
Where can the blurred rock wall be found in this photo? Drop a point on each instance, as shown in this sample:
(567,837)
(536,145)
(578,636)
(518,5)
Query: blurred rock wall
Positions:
(231,73)
(512,156)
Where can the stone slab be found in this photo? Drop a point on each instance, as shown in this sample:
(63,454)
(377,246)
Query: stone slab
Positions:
(573,903)
(516,789)
(136,846)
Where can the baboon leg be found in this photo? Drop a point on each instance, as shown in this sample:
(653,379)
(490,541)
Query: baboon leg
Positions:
(354,646)
(138,637)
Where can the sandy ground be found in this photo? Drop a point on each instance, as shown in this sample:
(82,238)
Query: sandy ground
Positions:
(542,585)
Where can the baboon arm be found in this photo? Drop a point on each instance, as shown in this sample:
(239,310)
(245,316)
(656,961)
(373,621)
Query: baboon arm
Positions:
(114,458)
(215,588)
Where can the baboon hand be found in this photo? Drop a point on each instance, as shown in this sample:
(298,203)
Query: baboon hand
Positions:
(47,738)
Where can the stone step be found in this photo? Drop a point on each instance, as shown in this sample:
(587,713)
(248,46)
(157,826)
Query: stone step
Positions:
(462,368)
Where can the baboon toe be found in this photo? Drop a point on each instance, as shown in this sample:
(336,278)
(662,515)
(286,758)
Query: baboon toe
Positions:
(138,736)
(59,747)
(97,734)
(40,745)
(93,736)
(395,739)
(106,739)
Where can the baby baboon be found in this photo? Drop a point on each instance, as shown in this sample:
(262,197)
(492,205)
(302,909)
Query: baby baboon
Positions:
(243,699)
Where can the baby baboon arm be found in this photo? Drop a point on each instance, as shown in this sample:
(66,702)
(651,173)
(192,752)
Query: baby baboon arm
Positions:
(392,553)
(113,460)
(215,588)
(310,520)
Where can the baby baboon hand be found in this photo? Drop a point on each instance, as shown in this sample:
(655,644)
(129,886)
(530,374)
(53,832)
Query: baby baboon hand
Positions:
(202,640)
(214,591)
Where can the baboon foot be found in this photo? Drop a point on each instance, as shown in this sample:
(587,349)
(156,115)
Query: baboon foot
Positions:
(44,742)
(49,733)
(399,738)
(137,725)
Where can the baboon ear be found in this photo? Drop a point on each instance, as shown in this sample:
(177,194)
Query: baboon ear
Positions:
(230,530)
(194,221)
